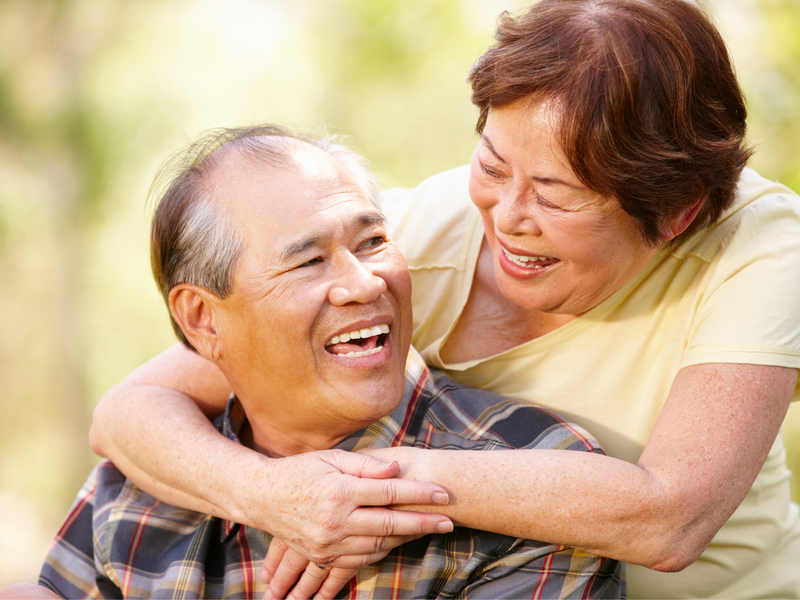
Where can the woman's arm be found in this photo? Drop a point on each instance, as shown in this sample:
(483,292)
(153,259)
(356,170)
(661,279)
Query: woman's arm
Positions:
(323,504)
(145,425)
(709,443)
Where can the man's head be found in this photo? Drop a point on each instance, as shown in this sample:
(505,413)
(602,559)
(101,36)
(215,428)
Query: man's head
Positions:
(270,253)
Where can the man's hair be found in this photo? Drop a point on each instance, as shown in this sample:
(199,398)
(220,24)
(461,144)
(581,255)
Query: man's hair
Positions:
(192,241)
(650,109)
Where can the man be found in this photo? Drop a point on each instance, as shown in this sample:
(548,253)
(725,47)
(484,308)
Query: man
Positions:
(275,263)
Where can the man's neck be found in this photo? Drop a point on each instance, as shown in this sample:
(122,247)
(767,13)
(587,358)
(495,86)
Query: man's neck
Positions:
(280,442)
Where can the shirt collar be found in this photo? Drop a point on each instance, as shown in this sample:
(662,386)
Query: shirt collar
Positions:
(384,433)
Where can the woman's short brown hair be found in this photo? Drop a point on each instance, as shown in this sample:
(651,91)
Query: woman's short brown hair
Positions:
(651,111)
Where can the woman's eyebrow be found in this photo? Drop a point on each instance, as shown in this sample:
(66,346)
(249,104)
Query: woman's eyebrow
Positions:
(488,143)
(541,180)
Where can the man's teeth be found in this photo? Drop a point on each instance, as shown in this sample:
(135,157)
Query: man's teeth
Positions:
(523,261)
(360,353)
(359,334)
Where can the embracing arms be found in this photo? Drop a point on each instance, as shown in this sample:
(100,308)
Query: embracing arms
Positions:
(712,436)
(163,441)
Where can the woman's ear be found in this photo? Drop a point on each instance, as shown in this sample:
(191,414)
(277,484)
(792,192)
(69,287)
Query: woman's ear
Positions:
(678,224)
(192,308)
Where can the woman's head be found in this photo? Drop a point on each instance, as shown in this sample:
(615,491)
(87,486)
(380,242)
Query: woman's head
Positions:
(649,108)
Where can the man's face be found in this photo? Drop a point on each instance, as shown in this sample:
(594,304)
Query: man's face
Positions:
(318,268)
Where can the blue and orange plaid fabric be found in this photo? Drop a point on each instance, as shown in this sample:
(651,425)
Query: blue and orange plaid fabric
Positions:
(118,541)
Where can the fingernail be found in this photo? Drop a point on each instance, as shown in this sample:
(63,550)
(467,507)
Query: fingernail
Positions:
(444,527)
(268,595)
(440,498)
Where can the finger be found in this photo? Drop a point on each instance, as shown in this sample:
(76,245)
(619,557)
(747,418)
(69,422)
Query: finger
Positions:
(382,522)
(286,574)
(314,578)
(337,579)
(277,549)
(386,492)
(364,550)
(362,465)
(358,561)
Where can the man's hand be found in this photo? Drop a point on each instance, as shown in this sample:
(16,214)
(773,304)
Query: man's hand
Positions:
(333,513)
(331,507)
(282,567)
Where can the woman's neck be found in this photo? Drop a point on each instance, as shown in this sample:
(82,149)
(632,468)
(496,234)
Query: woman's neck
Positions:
(491,323)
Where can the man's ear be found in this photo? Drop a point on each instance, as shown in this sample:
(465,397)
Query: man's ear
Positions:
(678,224)
(194,310)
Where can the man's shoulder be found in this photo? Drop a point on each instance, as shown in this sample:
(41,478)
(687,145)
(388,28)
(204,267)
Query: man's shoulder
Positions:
(480,419)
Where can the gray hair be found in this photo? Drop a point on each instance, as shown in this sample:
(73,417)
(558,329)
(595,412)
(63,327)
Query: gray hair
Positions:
(193,241)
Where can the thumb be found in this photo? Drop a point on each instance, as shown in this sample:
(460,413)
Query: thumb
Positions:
(363,465)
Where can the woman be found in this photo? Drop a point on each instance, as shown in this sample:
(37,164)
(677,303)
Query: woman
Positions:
(617,265)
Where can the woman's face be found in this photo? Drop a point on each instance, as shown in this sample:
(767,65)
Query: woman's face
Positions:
(557,246)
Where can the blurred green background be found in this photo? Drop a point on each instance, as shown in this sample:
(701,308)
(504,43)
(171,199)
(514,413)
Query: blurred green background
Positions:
(95,94)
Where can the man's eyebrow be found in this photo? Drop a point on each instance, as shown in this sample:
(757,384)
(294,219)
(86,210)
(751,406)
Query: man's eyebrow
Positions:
(363,220)
(296,248)
(543,180)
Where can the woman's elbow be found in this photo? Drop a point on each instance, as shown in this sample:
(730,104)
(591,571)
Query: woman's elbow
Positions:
(676,561)
(95,439)
(677,547)
(99,425)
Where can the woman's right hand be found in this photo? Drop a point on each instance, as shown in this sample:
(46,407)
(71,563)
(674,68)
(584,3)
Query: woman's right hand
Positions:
(331,507)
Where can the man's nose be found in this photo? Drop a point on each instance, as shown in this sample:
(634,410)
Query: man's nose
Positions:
(355,282)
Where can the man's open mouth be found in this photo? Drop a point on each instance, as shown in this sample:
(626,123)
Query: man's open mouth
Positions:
(360,342)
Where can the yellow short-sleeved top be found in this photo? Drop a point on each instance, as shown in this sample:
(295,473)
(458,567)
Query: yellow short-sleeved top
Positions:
(728,294)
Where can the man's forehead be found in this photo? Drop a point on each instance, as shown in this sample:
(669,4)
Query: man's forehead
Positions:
(287,208)
(302,173)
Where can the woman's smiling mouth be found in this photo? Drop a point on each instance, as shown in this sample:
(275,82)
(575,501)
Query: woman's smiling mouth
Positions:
(529,262)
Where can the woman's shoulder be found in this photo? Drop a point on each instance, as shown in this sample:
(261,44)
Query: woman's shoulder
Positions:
(432,222)
(764,212)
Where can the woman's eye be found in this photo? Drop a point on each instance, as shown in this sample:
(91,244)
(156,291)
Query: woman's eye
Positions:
(546,203)
(491,172)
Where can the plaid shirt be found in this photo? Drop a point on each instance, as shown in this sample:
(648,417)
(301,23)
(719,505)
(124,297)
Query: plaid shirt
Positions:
(118,541)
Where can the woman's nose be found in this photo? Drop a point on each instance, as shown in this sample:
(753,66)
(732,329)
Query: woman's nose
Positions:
(514,212)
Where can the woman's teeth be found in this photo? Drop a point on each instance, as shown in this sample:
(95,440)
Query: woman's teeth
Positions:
(529,262)
(359,334)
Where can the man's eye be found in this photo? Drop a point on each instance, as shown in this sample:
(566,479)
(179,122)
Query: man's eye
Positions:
(313,261)
(374,242)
